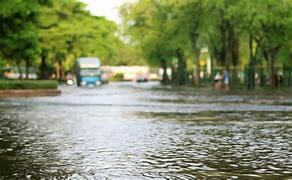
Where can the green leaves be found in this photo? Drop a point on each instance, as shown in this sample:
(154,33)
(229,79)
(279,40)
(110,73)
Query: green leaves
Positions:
(19,39)
(159,28)
(61,30)
(67,28)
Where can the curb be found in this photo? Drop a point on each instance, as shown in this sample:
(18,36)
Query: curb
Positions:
(29,93)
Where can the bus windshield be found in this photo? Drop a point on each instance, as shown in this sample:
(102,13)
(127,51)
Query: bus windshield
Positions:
(90,72)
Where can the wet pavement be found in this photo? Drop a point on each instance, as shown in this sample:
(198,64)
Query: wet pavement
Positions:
(145,131)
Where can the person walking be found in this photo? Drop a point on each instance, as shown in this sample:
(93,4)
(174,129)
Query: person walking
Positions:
(218,81)
(226,80)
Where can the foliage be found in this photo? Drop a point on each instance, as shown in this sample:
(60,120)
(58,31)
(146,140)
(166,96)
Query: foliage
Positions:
(268,27)
(164,33)
(67,31)
(232,31)
(118,77)
(18,34)
(55,33)
(153,27)
(129,55)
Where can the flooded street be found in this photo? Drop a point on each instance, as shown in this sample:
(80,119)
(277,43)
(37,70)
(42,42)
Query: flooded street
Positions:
(145,131)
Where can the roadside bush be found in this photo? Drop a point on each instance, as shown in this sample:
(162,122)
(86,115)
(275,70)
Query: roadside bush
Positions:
(118,77)
(30,84)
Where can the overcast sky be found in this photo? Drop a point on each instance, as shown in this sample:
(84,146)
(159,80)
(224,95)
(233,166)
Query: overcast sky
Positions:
(107,8)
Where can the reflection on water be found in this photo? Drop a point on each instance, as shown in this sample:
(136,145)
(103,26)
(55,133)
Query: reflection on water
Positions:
(131,131)
(224,145)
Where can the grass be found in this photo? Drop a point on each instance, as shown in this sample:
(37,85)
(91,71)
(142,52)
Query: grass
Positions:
(27,84)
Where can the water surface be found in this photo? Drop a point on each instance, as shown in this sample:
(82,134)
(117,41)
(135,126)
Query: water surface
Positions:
(145,131)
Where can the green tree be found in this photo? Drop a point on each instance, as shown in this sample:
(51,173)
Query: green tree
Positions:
(159,29)
(19,39)
(147,33)
(267,26)
(67,31)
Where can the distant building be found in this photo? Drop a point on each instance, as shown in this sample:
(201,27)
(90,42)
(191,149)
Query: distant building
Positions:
(130,73)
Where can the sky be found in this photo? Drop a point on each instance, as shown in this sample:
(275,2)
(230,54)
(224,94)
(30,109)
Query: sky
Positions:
(107,8)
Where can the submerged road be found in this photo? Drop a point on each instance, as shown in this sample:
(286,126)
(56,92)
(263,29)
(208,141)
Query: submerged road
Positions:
(145,131)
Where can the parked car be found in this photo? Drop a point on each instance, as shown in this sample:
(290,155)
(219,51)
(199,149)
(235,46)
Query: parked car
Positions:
(141,78)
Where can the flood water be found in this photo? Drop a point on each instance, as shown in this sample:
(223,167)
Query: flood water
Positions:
(145,131)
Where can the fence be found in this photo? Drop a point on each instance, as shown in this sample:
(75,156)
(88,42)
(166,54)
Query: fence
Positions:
(249,77)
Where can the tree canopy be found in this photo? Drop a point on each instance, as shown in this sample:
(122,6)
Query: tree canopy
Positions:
(165,27)
(53,34)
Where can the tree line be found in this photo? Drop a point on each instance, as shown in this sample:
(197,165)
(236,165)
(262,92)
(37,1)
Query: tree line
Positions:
(51,34)
(241,33)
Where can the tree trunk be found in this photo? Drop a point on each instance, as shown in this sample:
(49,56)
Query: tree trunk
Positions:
(198,67)
(165,78)
(43,67)
(27,65)
(60,71)
(273,73)
(223,29)
(194,38)
(182,75)
(173,74)
(252,63)
(19,69)
(222,51)
(270,55)
(234,53)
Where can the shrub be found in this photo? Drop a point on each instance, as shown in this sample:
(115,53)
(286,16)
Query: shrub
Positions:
(118,77)
(28,84)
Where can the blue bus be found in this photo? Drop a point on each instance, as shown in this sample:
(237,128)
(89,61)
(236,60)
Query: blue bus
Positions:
(88,71)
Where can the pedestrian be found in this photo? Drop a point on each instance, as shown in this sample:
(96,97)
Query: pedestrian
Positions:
(218,83)
(226,80)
